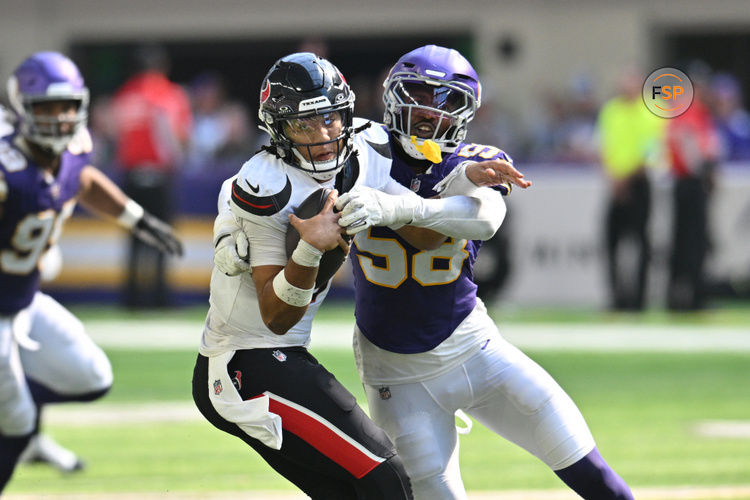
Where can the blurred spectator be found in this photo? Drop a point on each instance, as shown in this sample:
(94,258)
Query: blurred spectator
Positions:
(566,130)
(693,147)
(732,119)
(152,122)
(221,128)
(629,135)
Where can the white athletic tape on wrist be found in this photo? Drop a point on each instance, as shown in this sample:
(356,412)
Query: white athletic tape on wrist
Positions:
(130,215)
(297,297)
(306,255)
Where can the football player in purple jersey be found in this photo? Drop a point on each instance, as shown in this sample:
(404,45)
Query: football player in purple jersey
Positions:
(45,169)
(424,344)
(258,325)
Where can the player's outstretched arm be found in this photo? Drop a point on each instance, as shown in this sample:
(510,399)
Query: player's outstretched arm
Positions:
(495,172)
(475,217)
(102,196)
(285,292)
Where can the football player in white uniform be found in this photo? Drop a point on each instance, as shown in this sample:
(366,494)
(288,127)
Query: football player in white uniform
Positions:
(254,377)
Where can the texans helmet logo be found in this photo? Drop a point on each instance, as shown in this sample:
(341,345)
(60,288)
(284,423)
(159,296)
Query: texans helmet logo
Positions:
(265,92)
(237,379)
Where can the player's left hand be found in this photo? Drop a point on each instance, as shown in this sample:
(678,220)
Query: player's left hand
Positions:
(363,207)
(158,234)
(322,231)
(495,172)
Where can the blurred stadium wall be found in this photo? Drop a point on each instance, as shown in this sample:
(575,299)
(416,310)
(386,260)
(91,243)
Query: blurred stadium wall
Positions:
(520,45)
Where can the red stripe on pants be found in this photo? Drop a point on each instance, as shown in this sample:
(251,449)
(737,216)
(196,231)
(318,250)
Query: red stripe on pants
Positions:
(323,438)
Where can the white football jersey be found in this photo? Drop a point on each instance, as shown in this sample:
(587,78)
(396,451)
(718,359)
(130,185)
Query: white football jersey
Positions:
(264,193)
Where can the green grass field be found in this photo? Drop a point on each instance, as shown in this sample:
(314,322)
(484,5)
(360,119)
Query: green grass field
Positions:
(643,408)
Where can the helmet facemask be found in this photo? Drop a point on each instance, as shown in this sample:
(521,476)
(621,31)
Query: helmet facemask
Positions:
(427,109)
(301,148)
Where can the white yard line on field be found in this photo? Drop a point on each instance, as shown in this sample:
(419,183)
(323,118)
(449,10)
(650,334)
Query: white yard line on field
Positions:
(740,492)
(106,414)
(579,337)
(732,429)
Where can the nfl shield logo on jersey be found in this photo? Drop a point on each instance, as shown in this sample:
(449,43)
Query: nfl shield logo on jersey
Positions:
(279,355)
(217,387)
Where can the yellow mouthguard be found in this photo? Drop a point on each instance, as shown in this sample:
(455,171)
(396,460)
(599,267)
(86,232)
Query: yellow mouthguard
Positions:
(429,149)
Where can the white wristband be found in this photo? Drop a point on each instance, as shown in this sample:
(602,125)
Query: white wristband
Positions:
(130,215)
(306,255)
(297,297)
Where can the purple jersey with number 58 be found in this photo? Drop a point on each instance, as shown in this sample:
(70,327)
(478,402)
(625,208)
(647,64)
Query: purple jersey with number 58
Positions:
(402,289)
(33,206)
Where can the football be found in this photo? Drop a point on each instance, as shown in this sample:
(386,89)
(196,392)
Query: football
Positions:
(332,259)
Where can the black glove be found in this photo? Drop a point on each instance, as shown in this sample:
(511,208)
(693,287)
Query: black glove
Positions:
(158,234)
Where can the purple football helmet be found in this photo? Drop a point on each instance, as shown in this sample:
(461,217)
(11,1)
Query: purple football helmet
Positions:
(45,77)
(431,93)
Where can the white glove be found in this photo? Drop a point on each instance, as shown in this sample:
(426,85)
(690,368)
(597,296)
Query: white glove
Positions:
(231,248)
(50,264)
(363,207)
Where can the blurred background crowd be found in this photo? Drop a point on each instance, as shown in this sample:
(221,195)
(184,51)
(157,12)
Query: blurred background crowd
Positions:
(591,232)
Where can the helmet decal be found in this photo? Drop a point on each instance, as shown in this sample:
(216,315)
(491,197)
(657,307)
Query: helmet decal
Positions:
(265,92)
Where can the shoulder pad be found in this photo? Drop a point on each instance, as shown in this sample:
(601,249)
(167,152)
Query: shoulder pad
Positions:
(11,159)
(376,138)
(260,188)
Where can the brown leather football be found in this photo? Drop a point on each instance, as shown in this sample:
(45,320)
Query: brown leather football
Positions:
(332,259)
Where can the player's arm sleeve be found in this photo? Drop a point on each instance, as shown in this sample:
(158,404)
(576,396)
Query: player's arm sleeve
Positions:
(266,237)
(475,217)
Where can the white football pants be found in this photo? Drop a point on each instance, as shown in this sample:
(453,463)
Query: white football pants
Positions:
(49,345)
(500,387)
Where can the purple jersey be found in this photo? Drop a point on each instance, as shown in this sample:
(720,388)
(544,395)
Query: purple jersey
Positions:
(33,206)
(401,289)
